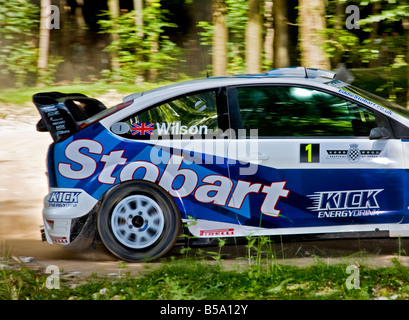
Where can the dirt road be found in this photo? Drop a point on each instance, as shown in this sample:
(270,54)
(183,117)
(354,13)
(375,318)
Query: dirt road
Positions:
(23,180)
(22,189)
(23,186)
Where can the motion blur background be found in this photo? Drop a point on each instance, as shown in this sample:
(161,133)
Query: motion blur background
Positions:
(139,41)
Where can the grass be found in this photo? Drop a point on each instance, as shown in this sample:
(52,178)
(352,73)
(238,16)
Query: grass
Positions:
(23,96)
(18,101)
(201,278)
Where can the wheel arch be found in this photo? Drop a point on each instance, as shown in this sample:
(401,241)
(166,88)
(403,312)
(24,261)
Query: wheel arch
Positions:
(125,245)
(182,206)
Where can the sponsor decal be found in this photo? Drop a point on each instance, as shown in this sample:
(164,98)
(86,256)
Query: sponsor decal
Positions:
(63,199)
(361,99)
(175,128)
(341,204)
(142,129)
(353,154)
(217,232)
(337,84)
(178,181)
(310,152)
(164,128)
(120,128)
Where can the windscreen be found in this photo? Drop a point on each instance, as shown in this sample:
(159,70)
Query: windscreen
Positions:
(375,100)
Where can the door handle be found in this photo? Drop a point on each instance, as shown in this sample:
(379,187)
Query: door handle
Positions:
(255,157)
(263,156)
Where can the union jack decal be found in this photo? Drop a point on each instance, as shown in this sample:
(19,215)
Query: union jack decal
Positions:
(142,129)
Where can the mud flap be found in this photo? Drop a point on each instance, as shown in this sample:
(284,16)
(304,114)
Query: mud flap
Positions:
(85,241)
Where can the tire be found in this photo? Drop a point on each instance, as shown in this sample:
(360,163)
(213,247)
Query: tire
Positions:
(138,221)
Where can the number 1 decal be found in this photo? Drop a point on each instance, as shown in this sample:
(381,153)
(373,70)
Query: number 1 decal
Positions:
(310,152)
(308,148)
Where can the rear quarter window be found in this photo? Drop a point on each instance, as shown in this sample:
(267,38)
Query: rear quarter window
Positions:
(192,114)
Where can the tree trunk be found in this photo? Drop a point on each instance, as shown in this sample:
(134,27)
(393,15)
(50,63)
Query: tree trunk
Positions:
(44,42)
(281,51)
(114,9)
(312,21)
(253,38)
(406,23)
(138,7)
(269,37)
(154,47)
(220,38)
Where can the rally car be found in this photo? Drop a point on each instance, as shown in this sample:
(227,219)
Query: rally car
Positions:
(294,151)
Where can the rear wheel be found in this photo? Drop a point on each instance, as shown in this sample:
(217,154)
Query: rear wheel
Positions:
(138,221)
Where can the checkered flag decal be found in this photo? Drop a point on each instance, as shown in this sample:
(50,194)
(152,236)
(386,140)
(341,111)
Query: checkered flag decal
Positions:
(353,153)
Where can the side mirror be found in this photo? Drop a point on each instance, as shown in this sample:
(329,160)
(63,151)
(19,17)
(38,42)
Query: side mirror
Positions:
(379,133)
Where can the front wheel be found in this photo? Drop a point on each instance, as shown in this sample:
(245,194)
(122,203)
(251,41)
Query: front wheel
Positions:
(138,221)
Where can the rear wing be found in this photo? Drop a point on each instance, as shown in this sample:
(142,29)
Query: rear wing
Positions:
(62,113)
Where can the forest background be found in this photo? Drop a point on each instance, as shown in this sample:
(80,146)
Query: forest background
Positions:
(50,42)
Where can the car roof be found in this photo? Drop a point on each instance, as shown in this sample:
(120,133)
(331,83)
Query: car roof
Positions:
(280,73)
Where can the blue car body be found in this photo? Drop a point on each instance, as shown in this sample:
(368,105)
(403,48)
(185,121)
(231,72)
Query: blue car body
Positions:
(293,151)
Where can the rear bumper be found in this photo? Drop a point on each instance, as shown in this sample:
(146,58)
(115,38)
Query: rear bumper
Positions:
(63,208)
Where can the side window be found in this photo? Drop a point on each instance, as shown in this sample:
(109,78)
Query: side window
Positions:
(296,111)
(186,115)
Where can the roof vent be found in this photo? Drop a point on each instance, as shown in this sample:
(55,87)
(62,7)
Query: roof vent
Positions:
(301,72)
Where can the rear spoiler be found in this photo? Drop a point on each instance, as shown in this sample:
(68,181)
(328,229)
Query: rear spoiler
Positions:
(62,113)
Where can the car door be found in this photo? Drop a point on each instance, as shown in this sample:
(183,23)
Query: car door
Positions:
(309,164)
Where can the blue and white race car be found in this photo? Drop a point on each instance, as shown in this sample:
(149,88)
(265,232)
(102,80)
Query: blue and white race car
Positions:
(294,151)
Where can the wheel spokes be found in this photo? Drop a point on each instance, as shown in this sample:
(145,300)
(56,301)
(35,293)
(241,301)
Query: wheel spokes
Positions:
(137,221)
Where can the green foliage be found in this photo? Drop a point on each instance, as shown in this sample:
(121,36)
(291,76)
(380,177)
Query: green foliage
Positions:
(392,11)
(142,49)
(343,45)
(236,24)
(19,282)
(19,22)
(388,82)
(19,30)
(181,279)
(198,278)
(371,43)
